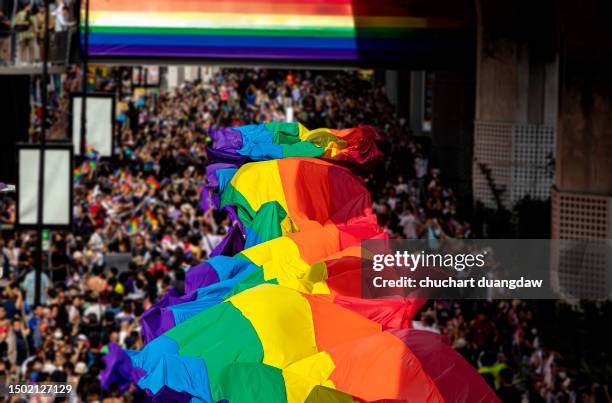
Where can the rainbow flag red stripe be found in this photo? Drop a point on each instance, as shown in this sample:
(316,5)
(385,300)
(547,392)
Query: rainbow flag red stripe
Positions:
(280,318)
(341,30)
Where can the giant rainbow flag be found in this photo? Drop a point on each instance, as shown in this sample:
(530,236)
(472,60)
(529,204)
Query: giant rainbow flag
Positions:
(294,30)
(279,316)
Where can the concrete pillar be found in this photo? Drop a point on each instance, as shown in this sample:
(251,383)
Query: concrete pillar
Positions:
(582,198)
(191,73)
(523,84)
(180,75)
(172,77)
(417,93)
(452,128)
(584,142)
(392,85)
(498,85)
(516,97)
(398,89)
(551,93)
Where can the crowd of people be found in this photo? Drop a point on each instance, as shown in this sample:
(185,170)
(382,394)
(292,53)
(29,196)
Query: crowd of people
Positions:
(524,349)
(138,224)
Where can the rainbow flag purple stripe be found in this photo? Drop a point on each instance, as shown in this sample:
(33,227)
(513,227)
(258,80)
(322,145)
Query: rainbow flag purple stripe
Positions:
(337,30)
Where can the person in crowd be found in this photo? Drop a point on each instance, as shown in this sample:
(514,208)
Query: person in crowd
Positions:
(39,19)
(25,24)
(62,16)
(29,283)
(5,38)
(508,391)
(427,323)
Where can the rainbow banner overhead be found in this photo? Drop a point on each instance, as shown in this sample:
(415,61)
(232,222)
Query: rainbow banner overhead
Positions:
(295,30)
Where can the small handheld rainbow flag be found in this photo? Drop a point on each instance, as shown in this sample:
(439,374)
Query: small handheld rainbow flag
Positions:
(91,153)
(78,174)
(124,176)
(86,167)
(133,225)
(152,183)
(150,218)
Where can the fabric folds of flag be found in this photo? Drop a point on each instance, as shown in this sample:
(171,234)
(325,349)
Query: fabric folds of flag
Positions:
(271,343)
(276,140)
(277,315)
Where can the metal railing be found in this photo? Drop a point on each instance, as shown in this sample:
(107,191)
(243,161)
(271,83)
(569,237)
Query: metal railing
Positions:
(18,48)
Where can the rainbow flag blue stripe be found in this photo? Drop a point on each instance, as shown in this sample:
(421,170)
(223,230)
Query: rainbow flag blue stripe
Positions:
(342,30)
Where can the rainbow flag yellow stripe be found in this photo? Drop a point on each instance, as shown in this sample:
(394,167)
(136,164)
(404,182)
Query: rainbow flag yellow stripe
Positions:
(293,30)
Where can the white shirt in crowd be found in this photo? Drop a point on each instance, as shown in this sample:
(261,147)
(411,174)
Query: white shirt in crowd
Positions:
(420,167)
(418,325)
(408,223)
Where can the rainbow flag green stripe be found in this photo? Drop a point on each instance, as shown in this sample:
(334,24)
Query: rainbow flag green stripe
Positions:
(292,30)
(282,320)
(331,32)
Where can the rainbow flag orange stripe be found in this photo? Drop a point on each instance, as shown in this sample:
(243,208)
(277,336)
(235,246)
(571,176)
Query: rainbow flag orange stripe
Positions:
(351,30)
(280,318)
